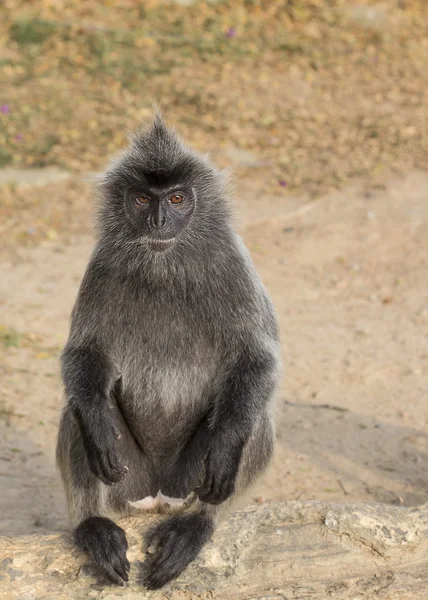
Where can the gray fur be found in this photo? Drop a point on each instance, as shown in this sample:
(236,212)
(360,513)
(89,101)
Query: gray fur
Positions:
(165,343)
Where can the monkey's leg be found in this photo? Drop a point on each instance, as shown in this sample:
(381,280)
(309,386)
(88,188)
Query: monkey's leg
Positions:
(91,502)
(176,542)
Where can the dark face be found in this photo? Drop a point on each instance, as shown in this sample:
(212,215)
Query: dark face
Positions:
(160,196)
(159,214)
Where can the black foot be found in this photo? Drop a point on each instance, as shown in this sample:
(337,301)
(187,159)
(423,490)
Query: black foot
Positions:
(172,545)
(107,545)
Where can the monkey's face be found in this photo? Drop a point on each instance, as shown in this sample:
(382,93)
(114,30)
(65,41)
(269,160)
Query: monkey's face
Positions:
(158,195)
(160,214)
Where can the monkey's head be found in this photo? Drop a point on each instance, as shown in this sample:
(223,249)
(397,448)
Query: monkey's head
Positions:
(158,194)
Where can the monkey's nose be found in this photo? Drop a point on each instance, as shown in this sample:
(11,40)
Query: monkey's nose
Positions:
(158,218)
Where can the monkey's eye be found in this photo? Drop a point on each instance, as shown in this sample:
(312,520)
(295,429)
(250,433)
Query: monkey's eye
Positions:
(176,199)
(142,200)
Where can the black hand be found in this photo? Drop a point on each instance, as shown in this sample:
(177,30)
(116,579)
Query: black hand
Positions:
(182,476)
(221,469)
(179,480)
(100,437)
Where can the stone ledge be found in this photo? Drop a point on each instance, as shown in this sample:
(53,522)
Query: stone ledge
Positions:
(278,551)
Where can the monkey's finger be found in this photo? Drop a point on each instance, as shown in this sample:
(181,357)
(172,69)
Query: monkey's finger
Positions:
(169,546)
(151,541)
(117,555)
(115,465)
(116,431)
(104,479)
(121,470)
(211,499)
(206,487)
(97,471)
(112,575)
(221,490)
(119,565)
(212,495)
(108,475)
(155,537)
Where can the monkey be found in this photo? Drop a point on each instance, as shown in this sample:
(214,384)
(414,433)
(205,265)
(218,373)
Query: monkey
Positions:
(171,365)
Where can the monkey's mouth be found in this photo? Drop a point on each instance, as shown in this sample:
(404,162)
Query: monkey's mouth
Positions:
(161,243)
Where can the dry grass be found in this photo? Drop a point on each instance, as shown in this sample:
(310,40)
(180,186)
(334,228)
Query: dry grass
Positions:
(317,90)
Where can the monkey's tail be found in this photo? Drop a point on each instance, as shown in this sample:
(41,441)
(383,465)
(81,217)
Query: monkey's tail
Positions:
(173,544)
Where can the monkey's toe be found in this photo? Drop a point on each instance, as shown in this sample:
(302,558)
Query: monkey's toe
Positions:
(173,545)
(167,561)
(106,543)
(116,567)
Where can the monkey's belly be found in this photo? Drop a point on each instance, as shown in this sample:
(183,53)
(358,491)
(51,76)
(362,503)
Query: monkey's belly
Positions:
(150,502)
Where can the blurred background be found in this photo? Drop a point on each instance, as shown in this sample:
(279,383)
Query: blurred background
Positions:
(320,110)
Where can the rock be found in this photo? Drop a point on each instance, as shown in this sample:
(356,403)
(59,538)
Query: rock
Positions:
(274,551)
(33,177)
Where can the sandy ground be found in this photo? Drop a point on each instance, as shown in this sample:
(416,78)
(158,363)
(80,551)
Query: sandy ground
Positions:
(348,276)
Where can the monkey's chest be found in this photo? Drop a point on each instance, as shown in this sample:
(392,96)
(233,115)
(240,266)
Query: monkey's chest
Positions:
(168,364)
(163,406)
(166,381)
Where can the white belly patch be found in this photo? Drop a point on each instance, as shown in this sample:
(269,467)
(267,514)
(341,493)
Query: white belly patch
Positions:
(150,502)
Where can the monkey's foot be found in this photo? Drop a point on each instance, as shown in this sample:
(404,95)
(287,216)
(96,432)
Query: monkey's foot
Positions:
(172,545)
(106,543)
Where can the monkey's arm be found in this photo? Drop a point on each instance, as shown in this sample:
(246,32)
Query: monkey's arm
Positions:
(89,375)
(243,395)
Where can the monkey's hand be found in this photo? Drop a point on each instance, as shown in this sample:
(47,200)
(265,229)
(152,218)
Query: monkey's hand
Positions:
(221,469)
(181,477)
(100,435)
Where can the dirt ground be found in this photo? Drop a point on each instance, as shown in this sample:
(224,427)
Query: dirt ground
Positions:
(348,276)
